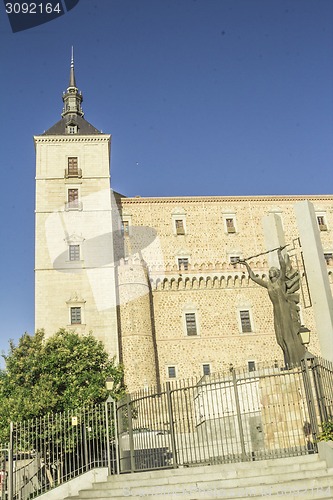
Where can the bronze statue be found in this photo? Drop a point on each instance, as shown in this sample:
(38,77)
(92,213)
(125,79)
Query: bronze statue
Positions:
(282,286)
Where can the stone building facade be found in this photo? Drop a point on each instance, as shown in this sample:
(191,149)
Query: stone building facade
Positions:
(206,312)
(156,279)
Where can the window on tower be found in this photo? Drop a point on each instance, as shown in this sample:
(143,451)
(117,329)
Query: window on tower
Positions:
(74,252)
(73,169)
(245,320)
(73,202)
(75,315)
(191,324)
(183,263)
(73,197)
(72,129)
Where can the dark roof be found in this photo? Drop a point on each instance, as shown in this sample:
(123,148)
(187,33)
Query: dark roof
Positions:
(84,127)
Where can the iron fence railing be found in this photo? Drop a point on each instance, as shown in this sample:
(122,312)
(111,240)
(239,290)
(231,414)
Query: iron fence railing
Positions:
(234,416)
(53,449)
(229,417)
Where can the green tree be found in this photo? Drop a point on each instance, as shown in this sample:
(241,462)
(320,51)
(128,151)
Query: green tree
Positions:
(51,375)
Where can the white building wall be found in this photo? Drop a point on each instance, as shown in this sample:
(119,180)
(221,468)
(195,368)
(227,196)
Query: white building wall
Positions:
(88,283)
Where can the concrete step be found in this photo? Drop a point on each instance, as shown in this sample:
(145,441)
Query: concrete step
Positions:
(234,479)
(218,472)
(259,486)
(298,477)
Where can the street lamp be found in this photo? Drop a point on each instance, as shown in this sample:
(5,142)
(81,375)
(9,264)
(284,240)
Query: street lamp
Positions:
(109,417)
(109,382)
(304,334)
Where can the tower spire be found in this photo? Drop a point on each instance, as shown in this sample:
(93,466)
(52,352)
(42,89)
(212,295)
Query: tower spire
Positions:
(72,82)
(72,97)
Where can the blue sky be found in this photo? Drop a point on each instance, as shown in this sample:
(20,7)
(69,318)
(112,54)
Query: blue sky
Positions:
(202,97)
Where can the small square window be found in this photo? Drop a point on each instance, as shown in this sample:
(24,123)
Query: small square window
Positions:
(234,259)
(191,324)
(230,224)
(74,252)
(328,257)
(251,366)
(180,228)
(321,223)
(75,315)
(171,371)
(245,321)
(125,227)
(182,261)
(206,369)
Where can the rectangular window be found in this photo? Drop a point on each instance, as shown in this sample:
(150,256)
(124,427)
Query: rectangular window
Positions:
(230,225)
(74,252)
(245,321)
(206,369)
(234,259)
(183,262)
(125,227)
(73,198)
(251,366)
(328,257)
(171,371)
(321,223)
(73,169)
(180,229)
(191,325)
(75,315)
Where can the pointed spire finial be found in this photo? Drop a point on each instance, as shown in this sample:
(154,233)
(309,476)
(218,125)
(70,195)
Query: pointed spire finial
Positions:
(72,82)
(72,97)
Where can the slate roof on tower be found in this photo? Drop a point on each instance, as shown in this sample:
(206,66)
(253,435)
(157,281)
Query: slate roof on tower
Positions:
(83,127)
(72,121)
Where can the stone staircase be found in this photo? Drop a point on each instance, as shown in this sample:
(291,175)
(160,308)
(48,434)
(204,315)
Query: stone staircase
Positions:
(302,477)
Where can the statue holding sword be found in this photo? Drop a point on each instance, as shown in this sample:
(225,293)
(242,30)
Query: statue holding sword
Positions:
(282,286)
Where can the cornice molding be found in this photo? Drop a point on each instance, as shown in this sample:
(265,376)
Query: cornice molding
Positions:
(229,199)
(82,138)
(214,280)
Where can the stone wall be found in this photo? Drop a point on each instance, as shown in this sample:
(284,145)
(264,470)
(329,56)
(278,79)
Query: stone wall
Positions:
(211,287)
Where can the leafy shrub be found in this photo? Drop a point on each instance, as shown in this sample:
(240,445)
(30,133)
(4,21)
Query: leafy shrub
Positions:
(327,431)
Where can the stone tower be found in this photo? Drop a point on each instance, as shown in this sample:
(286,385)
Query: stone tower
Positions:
(74,263)
(139,352)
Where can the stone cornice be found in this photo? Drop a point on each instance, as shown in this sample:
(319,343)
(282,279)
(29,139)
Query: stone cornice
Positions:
(220,275)
(214,280)
(229,199)
(71,138)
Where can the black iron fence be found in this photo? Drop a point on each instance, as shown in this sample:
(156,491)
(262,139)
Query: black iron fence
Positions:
(235,416)
(45,452)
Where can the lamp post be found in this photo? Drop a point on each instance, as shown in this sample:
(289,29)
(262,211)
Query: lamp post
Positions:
(309,384)
(109,385)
